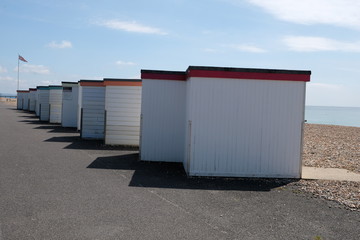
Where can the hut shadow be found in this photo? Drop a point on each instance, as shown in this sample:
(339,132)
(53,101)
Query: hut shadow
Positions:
(172,175)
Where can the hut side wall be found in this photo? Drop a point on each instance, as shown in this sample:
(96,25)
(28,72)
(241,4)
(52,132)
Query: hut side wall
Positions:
(37,102)
(44,105)
(55,102)
(69,117)
(163,120)
(244,128)
(93,112)
(79,107)
(26,101)
(32,97)
(19,103)
(123,115)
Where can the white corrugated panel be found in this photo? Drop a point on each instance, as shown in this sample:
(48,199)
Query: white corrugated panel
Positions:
(26,101)
(79,108)
(244,128)
(32,99)
(163,120)
(55,101)
(44,105)
(37,103)
(70,105)
(123,115)
(93,112)
(19,101)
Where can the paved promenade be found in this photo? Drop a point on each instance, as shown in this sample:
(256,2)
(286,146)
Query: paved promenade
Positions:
(55,186)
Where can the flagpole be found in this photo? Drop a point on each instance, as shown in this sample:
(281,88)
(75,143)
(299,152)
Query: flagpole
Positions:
(18,73)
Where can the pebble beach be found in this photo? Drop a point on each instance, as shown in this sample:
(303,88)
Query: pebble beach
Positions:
(331,146)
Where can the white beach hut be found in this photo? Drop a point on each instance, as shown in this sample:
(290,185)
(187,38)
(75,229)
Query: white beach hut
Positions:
(32,99)
(79,106)
(37,100)
(70,99)
(55,103)
(163,116)
(242,122)
(122,105)
(92,109)
(26,100)
(21,98)
(44,113)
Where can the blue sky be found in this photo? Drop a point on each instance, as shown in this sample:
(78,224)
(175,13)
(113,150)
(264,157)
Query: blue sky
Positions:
(73,40)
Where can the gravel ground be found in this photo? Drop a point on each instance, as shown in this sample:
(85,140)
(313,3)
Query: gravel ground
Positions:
(334,147)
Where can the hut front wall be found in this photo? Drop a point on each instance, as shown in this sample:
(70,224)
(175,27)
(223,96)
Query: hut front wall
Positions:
(122,106)
(44,105)
(69,116)
(244,128)
(93,112)
(55,101)
(163,120)
(26,101)
(19,100)
(37,102)
(79,108)
(32,99)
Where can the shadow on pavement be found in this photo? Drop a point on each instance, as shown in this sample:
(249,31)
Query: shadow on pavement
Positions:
(172,175)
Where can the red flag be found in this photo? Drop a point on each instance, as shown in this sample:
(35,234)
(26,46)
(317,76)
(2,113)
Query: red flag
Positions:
(22,59)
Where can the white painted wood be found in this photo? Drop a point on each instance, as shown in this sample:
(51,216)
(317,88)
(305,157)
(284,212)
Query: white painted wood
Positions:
(37,103)
(32,96)
(243,128)
(123,115)
(55,101)
(44,104)
(163,120)
(26,101)
(70,101)
(93,112)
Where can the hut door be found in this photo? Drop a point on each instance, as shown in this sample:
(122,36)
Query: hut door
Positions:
(188,147)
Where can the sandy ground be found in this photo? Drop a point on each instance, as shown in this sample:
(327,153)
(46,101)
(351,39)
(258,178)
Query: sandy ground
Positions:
(10,101)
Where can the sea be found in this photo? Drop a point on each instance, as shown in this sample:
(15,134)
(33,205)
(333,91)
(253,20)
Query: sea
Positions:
(344,116)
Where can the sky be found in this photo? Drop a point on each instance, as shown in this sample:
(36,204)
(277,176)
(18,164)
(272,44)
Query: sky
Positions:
(71,40)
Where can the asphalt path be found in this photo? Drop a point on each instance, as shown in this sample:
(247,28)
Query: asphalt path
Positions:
(53,185)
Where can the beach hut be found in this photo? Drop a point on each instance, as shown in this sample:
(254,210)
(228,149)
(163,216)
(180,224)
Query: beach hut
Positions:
(163,116)
(70,99)
(26,100)
(44,113)
(79,106)
(32,99)
(241,122)
(55,103)
(37,100)
(92,109)
(122,108)
(21,99)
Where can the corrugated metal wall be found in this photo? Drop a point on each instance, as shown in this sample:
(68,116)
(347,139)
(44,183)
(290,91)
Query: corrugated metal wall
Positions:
(19,100)
(32,96)
(163,120)
(79,108)
(93,112)
(26,101)
(70,105)
(244,127)
(123,115)
(37,103)
(44,105)
(55,101)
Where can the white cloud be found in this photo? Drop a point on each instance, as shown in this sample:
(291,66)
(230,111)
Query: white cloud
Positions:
(122,63)
(335,12)
(3,69)
(130,27)
(6,78)
(248,48)
(62,44)
(312,44)
(29,68)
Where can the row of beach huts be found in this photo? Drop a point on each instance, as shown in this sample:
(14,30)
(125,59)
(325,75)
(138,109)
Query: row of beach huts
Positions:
(230,122)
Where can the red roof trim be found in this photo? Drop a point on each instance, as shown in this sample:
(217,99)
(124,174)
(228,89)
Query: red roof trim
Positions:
(248,75)
(22,91)
(163,76)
